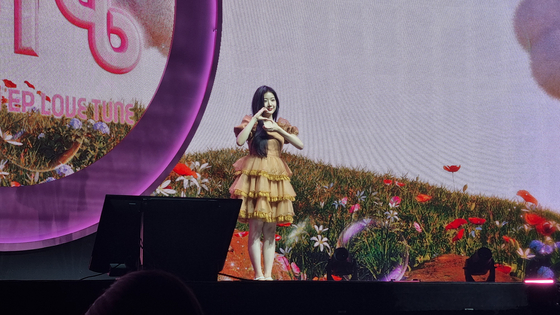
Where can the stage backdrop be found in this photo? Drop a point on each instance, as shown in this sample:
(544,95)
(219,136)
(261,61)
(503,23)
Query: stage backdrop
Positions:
(431,128)
(81,113)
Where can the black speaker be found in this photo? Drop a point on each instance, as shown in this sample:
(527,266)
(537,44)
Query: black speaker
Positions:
(186,236)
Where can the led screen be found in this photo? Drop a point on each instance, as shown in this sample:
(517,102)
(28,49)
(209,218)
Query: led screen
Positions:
(88,108)
(430,130)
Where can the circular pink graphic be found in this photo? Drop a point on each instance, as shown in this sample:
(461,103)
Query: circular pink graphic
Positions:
(80,114)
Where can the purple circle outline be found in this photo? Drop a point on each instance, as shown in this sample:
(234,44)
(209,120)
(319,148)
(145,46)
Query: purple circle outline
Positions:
(53,213)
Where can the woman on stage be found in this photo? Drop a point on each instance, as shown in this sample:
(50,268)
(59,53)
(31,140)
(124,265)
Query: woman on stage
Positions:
(263,178)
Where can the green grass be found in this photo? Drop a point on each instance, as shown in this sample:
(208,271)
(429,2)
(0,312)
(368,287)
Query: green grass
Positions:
(383,244)
(47,142)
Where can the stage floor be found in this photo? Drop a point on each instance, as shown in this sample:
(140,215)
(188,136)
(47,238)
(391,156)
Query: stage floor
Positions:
(303,297)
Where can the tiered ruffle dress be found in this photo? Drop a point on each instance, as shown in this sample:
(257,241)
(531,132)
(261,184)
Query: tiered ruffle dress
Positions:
(264,183)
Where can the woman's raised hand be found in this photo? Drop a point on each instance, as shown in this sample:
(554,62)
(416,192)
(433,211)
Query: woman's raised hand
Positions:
(270,125)
(258,115)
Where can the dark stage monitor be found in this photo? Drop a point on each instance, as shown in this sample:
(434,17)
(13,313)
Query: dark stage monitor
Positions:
(186,236)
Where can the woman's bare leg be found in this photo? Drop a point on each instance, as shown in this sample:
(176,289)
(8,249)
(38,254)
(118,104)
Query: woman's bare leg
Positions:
(255,232)
(269,247)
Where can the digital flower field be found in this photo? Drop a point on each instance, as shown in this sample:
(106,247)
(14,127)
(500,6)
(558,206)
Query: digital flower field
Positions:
(36,148)
(390,225)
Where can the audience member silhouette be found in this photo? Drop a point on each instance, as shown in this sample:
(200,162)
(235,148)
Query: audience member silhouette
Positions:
(147,292)
(480,263)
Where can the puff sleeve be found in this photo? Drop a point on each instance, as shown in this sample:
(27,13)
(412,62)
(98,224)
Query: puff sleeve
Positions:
(284,124)
(237,129)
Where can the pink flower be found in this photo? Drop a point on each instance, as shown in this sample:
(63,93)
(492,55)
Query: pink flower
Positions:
(395,202)
(417,227)
(344,201)
(295,268)
(354,208)
(283,262)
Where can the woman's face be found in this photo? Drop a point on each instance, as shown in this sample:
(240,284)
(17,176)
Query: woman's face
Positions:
(269,104)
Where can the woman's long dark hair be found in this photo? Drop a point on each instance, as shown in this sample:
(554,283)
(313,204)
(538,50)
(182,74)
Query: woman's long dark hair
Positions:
(259,144)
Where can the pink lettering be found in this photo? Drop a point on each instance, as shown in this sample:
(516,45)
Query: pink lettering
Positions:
(27,100)
(101,20)
(25,27)
(44,110)
(119,108)
(96,109)
(70,110)
(82,108)
(106,112)
(60,112)
(128,113)
(12,100)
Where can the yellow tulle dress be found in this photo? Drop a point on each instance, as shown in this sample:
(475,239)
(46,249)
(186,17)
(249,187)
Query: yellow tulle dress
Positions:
(264,183)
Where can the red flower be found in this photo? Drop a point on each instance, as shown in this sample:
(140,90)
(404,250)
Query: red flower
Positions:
(15,184)
(545,228)
(423,198)
(452,168)
(503,268)
(354,208)
(29,84)
(527,197)
(459,235)
(48,98)
(387,182)
(277,237)
(478,221)
(508,239)
(284,224)
(455,224)
(9,84)
(184,170)
(336,278)
(399,184)
(534,219)
(241,234)
(4,100)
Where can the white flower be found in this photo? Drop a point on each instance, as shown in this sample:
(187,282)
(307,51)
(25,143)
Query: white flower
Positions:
(321,242)
(8,138)
(285,251)
(162,189)
(360,196)
(199,182)
(526,227)
(32,178)
(296,233)
(2,165)
(319,229)
(392,215)
(196,167)
(525,254)
(500,224)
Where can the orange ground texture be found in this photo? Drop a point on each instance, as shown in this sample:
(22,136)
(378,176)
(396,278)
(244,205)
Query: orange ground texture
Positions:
(449,268)
(239,265)
(444,268)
